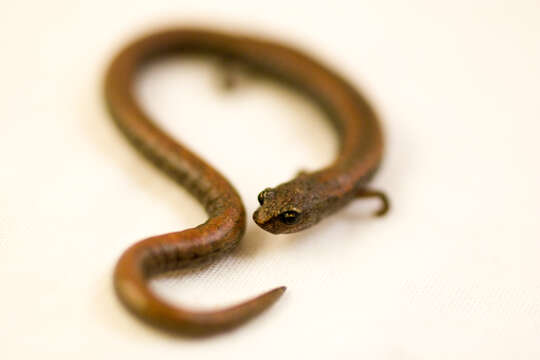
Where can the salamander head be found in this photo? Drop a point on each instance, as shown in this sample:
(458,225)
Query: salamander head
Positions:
(290,207)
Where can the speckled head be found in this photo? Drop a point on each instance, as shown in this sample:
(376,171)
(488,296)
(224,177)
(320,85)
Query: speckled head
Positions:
(289,207)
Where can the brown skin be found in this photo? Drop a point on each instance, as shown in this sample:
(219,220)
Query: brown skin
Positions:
(290,207)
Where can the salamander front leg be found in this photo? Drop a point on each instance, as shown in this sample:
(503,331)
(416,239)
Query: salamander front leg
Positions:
(232,73)
(370,193)
(228,74)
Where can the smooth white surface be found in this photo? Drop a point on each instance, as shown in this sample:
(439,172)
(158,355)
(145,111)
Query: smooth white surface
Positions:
(452,272)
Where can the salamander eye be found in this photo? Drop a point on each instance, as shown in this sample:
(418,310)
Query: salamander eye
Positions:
(289,217)
(263,194)
(261,197)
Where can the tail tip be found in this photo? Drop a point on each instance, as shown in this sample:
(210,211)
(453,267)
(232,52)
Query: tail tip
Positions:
(277,292)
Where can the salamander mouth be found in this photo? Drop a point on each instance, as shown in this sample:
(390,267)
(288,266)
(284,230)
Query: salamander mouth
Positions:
(266,223)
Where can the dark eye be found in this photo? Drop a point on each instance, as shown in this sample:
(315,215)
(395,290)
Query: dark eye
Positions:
(263,194)
(289,217)
(261,197)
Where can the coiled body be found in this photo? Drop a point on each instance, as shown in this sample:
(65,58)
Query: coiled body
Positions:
(307,198)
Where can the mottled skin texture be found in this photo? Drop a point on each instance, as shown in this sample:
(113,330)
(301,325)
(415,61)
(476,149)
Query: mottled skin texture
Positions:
(311,198)
(289,207)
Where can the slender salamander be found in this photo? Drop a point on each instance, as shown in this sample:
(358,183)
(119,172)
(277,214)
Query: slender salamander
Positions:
(289,207)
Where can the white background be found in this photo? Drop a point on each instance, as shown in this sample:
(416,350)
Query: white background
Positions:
(452,272)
